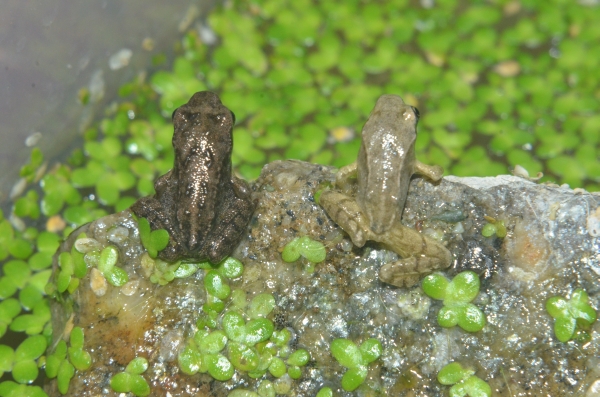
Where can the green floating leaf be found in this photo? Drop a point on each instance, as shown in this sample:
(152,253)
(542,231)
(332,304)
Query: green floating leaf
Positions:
(231,268)
(189,360)
(121,382)
(463,288)
(557,306)
(185,270)
(261,305)
(108,259)
(80,359)
(489,230)
(435,286)
(243,357)
(291,251)
(152,240)
(476,387)
(159,239)
(54,360)
(281,338)
(117,277)
(580,308)
(312,250)
(570,314)
(371,349)
(258,330)
(66,371)
(564,328)
(137,366)
(299,358)
(294,372)
(354,377)
(277,368)
(219,367)
(139,386)
(234,326)
(470,318)
(25,371)
(453,373)
(346,353)
(216,285)
(447,317)
(212,342)
(31,348)
(325,392)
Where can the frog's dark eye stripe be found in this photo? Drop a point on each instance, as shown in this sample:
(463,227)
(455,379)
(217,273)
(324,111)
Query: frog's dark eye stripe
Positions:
(416,113)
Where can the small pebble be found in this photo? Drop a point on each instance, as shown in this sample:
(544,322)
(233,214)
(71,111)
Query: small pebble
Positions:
(55,224)
(120,59)
(148,44)
(508,68)
(130,287)
(86,244)
(17,223)
(118,234)
(33,139)
(18,188)
(98,283)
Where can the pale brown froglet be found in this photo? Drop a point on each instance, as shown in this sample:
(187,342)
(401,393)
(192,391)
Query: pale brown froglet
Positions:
(371,207)
(203,206)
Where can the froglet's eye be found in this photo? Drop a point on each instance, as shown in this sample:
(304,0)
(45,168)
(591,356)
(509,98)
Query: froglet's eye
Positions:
(233,116)
(173,114)
(417,114)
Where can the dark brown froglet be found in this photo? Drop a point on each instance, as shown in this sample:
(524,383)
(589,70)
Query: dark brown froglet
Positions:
(203,206)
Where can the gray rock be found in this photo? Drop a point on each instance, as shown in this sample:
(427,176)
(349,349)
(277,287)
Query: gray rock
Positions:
(551,248)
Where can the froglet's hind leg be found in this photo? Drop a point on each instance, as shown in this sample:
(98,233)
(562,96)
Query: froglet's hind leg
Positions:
(230,223)
(347,214)
(421,255)
(345,178)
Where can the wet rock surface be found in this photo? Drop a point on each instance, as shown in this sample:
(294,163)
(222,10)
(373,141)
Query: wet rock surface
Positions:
(551,248)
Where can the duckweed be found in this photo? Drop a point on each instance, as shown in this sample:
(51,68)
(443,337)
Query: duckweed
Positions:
(12,389)
(24,359)
(152,240)
(325,392)
(456,295)
(312,250)
(494,226)
(570,315)
(63,368)
(131,380)
(261,305)
(80,358)
(9,309)
(356,359)
(216,285)
(57,366)
(106,265)
(464,382)
(240,341)
(283,50)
